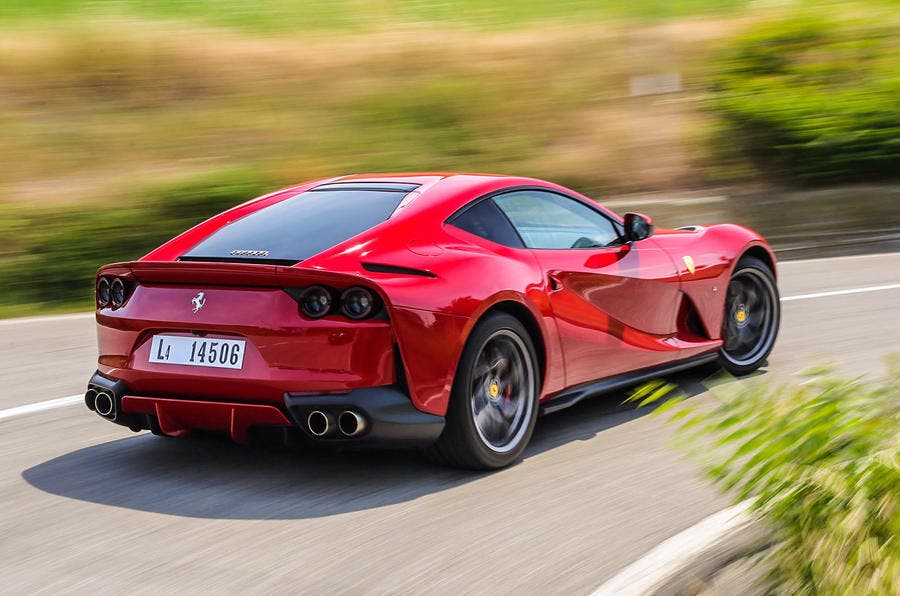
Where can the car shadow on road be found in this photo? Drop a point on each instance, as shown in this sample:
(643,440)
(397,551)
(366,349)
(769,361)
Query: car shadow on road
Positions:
(221,480)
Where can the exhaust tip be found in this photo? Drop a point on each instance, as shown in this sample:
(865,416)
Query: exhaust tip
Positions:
(89,398)
(351,423)
(320,423)
(104,404)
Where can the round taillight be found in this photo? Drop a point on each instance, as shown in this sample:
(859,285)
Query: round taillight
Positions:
(103,292)
(315,302)
(117,292)
(357,303)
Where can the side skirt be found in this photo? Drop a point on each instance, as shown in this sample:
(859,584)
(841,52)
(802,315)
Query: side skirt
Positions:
(572,396)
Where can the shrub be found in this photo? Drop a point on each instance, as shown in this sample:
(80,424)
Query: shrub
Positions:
(812,99)
(820,462)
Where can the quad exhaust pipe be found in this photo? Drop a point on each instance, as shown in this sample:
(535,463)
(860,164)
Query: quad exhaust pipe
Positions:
(104,404)
(320,423)
(89,398)
(351,423)
(348,423)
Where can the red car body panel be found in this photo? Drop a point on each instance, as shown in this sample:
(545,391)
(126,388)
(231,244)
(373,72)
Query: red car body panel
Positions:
(598,312)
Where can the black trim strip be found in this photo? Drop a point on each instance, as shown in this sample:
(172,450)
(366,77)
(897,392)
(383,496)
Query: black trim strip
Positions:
(377,186)
(382,268)
(285,262)
(572,396)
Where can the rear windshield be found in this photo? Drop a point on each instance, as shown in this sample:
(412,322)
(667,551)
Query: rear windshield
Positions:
(299,227)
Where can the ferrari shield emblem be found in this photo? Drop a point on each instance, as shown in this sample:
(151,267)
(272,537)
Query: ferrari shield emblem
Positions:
(689,263)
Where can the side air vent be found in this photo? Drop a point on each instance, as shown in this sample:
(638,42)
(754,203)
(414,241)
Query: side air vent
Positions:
(690,326)
(380,268)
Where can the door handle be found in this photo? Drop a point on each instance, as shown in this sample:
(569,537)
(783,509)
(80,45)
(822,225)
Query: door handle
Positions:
(554,282)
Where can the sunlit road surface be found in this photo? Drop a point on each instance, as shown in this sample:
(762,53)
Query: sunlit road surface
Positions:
(90,507)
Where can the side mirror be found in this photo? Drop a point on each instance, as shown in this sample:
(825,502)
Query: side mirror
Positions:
(637,227)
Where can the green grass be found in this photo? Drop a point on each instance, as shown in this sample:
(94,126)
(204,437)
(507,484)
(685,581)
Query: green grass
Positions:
(289,15)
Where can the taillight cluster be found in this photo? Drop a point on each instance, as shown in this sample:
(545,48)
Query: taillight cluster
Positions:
(113,292)
(354,303)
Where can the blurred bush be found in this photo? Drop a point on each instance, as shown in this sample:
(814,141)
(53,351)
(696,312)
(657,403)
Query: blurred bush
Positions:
(55,252)
(820,462)
(813,98)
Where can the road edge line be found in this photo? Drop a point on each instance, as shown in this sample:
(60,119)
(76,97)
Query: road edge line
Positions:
(46,318)
(689,556)
(41,406)
(846,292)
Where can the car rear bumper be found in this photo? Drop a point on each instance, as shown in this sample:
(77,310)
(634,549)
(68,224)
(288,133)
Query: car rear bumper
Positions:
(385,415)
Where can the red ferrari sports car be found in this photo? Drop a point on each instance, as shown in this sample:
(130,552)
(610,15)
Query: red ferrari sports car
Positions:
(437,311)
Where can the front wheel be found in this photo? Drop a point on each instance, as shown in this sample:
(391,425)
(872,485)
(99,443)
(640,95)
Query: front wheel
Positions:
(752,317)
(493,403)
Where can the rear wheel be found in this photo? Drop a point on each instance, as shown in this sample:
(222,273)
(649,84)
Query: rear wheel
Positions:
(752,317)
(493,404)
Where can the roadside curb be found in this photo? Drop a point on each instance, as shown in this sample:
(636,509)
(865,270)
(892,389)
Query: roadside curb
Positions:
(685,563)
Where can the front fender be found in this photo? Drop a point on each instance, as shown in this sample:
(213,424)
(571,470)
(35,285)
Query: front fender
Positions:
(713,252)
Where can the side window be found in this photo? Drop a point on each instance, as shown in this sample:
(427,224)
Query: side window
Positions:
(485,219)
(548,220)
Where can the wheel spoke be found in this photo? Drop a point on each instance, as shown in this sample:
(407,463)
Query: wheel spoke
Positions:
(731,337)
(500,365)
(756,318)
(482,372)
(746,338)
(751,297)
(485,421)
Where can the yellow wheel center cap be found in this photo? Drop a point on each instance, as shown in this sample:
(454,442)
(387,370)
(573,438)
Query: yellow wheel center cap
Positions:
(740,316)
(494,389)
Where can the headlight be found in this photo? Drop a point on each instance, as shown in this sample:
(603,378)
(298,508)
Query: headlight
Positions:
(102,292)
(117,292)
(315,302)
(357,303)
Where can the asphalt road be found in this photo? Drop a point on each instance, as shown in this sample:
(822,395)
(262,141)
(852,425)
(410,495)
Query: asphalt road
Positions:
(90,507)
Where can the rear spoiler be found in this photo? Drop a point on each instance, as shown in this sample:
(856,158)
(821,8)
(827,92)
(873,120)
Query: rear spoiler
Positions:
(230,274)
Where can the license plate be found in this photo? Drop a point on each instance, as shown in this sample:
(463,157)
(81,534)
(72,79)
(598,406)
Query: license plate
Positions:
(197,351)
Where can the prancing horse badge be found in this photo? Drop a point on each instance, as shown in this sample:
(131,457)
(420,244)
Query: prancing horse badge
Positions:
(689,263)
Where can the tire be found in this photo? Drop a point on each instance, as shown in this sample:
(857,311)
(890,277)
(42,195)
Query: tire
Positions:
(494,401)
(752,317)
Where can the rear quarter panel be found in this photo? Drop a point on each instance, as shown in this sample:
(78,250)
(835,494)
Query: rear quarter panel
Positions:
(433,316)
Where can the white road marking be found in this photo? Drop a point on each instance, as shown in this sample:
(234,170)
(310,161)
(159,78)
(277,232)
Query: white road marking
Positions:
(50,404)
(651,571)
(841,292)
(73,399)
(844,258)
(46,319)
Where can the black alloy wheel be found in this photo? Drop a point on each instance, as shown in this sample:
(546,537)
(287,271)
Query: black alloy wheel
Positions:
(752,317)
